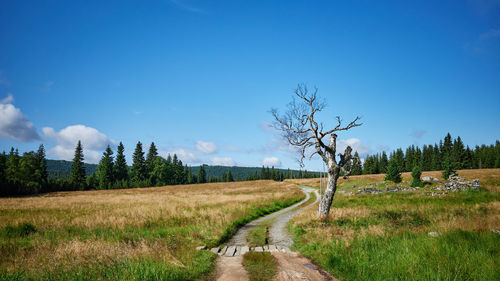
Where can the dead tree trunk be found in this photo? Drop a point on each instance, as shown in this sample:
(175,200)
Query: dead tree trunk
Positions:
(301,129)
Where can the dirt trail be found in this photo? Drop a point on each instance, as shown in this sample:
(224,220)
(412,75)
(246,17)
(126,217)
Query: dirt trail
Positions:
(291,265)
(240,238)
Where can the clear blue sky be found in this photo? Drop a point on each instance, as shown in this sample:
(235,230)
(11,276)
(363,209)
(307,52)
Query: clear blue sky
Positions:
(199,77)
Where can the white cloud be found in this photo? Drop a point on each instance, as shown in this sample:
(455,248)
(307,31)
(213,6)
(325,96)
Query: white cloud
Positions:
(271,161)
(93,142)
(206,147)
(223,161)
(8,99)
(14,125)
(355,144)
(185,155)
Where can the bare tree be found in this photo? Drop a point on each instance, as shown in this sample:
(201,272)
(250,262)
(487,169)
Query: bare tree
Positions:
(300,128)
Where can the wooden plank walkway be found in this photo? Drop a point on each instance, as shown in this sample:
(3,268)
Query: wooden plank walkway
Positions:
(233,251)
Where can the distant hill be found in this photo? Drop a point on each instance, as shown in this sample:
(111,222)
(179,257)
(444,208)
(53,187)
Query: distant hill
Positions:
(242,172)
(62,169)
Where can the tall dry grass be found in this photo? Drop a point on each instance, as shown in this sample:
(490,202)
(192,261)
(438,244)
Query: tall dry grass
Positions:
(95,228)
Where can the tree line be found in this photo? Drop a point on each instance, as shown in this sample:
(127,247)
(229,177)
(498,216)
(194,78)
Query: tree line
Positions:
(27,173)
(449,155)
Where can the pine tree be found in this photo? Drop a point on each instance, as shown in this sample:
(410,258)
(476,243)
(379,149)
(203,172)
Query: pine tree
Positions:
(78,175)
(138,171)
(202,176)
(120,166)
(12,169)
(229,176)
(3,170)
(416,173)
(383,163)
(150,158)
(41,171)
(105,168)
(458,153)
(448,168)
(190,178)
(356,165)
(393,171)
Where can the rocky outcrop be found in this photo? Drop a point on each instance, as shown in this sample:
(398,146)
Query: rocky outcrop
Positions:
(429,179)
(391,189)
(456,183)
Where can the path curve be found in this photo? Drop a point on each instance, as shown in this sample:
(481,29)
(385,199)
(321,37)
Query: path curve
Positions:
(277,232)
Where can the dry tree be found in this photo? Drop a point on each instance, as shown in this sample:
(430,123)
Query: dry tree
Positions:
(300,128)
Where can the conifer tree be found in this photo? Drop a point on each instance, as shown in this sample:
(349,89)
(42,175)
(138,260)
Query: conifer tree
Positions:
(150,157)
(415,174)
(393,171)
(202,176)
(105,169)
(229,176)
(120,166)
(12,169)
(357,169)
(41,171)
(3,169)
(138,171)
(78,174)
(190,178)
(383,163)
(448,168)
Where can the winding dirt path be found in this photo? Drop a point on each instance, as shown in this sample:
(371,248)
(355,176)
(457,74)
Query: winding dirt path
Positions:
(291,265)
(280,233)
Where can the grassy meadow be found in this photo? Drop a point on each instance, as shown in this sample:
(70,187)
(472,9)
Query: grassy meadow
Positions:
(129,234)
(386,236)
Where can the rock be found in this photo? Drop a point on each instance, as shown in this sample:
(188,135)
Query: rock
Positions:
(266,248)
(434,234)
(223,251)
(230,251)
(215,250)
(244,250)
(238,251)
(429,179)
(456,183)
(495,231)
(272,248)
(199,248)
(259,249)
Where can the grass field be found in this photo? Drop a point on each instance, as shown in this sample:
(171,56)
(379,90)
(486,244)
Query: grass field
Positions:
(129,234)
(385,236)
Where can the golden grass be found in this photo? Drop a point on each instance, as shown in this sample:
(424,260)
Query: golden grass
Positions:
(160,223)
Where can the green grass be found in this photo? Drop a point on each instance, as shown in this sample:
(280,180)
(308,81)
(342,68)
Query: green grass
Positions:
(258,235)
(385,236)
(261,266)
(458,255)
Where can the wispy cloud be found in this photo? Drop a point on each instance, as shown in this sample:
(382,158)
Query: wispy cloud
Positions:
(187,7)
(47,86)
(417,134)
(492,33)
(206,147)
(8,99)
(222,161)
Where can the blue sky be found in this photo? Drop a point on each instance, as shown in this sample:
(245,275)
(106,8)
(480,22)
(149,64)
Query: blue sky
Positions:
(199,77)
